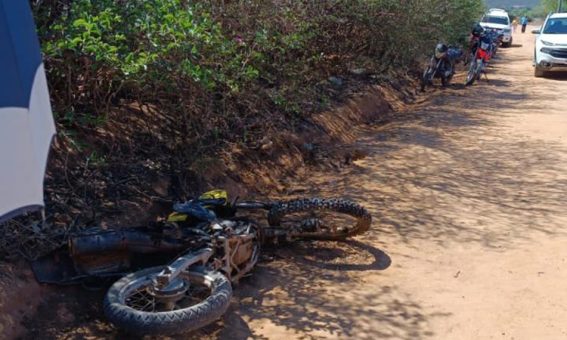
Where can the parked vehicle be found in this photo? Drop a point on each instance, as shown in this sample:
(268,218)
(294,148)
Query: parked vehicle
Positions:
(441,65)
(496,39)
(550,53)
(207,247)
(481,55)
(499,20)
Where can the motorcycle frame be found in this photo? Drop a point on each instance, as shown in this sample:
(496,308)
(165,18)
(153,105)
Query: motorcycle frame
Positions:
(172,270)
(230,246)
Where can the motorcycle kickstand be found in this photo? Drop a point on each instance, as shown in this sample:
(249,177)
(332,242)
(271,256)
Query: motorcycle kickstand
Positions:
(486,76)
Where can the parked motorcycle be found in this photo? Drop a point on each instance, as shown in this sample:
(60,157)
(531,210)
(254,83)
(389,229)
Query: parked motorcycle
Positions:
(496,39)
(207,246)
(441,65)
(481,54)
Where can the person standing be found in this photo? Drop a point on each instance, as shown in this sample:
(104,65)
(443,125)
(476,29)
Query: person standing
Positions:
(515,25)
(524,22)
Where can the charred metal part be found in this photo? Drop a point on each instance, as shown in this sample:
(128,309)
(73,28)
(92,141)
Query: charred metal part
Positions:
(170,294)
(102,263)
(30,237)
(170,273)
(129,240)
(98,252)
(241,250)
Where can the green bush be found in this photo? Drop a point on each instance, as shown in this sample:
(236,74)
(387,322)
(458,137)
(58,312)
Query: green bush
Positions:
(95,49)
(222,67)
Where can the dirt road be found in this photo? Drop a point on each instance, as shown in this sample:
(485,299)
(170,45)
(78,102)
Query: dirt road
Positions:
(469,195)
(470,199)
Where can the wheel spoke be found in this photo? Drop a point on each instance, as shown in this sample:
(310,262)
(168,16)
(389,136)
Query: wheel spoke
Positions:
(143,300)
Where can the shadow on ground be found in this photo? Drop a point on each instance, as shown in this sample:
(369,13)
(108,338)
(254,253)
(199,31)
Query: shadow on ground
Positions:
(306,293)
(453,152)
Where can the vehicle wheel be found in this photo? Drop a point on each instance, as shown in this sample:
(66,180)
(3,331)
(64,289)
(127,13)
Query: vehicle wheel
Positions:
(320,219)
(471,76)
(444,81)
(425,79)
(538,72)
(131,305)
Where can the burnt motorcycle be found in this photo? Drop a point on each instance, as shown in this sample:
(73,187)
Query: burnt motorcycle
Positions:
(207,245)
(441,65)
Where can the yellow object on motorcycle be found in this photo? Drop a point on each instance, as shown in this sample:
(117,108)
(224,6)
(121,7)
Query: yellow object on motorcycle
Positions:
(215,194)
(177,217)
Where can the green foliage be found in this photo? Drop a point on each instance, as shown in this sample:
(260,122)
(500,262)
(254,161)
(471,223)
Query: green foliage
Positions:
(219,66)
(97,47)
(553,5)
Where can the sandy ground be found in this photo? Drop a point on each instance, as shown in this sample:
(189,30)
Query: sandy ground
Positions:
(469,195)
(470,200)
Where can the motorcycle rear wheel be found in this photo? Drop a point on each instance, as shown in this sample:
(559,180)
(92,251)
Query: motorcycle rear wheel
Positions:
(130,305)
(320,219)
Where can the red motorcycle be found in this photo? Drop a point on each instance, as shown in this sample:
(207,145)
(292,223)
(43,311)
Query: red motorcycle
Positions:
(481,55)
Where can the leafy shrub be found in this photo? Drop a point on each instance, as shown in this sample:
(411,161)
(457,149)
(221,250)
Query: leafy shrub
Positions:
(224,68)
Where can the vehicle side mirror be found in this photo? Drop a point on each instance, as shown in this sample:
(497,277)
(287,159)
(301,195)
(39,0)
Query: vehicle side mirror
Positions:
(538,31)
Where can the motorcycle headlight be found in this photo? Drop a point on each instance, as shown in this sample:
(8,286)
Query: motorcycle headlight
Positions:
(439,55)
(547,43)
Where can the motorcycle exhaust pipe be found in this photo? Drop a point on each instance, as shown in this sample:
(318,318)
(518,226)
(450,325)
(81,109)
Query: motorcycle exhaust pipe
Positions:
(120,241)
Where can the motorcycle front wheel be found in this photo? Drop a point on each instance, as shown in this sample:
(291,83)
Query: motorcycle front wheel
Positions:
(480,69)
(320,219)
(429,73)
(199,298)
(471,75)
(426,78)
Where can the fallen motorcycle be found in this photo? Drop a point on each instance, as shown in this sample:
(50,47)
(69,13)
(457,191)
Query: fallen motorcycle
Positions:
(441,65)
(207,245)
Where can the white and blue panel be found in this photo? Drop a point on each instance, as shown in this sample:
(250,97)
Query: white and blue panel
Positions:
(26,121)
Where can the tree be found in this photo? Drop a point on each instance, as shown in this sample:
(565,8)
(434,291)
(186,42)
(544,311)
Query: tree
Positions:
(554,5)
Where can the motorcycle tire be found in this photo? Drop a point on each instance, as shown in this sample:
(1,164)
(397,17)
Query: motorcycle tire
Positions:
(192,317)
(471,74)
(356,218)
(479,70)
(425,79)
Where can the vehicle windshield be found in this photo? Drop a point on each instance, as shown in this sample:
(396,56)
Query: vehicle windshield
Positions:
(495,20)
(556,26)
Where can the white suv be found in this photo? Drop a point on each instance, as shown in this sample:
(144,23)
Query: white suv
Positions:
(498,19)
(551,45)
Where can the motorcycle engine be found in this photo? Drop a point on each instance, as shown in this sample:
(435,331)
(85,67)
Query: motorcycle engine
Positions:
(240,245)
